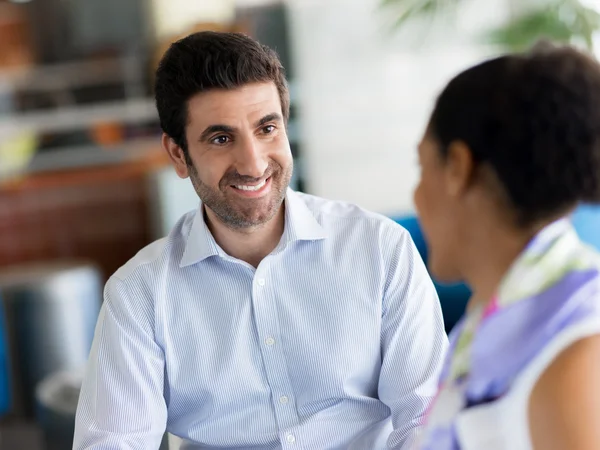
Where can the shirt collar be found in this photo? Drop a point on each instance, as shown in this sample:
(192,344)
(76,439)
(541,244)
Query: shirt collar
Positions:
(300,225)
(200,243)
(300,222)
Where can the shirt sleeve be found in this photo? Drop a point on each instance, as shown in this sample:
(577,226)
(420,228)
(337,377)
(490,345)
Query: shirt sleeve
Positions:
(413,339)
(122,405)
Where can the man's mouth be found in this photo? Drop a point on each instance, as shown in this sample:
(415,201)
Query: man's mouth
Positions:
(253,190)
(249,187)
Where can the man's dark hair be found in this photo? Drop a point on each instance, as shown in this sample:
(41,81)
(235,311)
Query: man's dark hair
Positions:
(211,60)
(534,119)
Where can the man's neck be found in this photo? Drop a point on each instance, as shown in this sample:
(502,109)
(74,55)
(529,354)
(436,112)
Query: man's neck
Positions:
(251,245)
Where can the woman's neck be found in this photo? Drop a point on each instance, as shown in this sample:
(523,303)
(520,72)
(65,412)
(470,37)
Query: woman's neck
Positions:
(492,253)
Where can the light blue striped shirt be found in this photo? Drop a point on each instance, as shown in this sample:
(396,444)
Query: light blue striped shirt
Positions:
(335,341)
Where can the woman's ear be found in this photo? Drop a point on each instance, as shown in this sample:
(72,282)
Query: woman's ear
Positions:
(460,168)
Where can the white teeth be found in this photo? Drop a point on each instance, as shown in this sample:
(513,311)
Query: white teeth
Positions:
(251,188)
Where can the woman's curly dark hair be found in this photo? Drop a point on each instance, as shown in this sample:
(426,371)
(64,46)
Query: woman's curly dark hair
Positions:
(534,119)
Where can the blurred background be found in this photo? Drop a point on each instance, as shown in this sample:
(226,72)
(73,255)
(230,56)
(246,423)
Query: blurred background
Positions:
(84,184)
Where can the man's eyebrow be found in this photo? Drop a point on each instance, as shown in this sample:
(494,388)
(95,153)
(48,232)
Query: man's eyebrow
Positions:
(273,117)
(215,129)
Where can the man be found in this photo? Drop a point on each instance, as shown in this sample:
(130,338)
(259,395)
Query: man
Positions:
(267,318)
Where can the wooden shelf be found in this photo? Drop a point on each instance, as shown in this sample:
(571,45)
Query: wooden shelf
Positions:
(98,213)
(71,74)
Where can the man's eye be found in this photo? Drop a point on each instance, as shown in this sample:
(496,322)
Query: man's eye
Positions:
(220,140)
(269,129)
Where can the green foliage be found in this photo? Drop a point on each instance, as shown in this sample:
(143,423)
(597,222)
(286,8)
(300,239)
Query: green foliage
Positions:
(566,21)
(407,10)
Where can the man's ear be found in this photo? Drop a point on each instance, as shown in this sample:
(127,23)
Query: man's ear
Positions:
(176,155)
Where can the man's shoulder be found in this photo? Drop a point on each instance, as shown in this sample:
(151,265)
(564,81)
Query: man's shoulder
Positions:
(327,210)
(160,254)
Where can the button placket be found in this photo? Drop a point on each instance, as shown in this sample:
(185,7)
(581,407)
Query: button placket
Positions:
(265,316)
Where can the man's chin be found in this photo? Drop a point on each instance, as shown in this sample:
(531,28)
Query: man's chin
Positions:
(249,213)
(255,220)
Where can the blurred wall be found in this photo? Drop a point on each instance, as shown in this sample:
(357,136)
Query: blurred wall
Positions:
(171,17)
(365,94)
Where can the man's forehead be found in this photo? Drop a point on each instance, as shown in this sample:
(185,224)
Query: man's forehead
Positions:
(248,99)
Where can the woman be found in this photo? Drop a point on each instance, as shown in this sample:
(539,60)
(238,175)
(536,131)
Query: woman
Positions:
(512,147)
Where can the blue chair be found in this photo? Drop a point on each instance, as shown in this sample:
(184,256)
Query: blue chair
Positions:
(5,395)
(586,220)
(454,297)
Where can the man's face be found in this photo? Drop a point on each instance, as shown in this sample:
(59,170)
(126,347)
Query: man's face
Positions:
(241,163)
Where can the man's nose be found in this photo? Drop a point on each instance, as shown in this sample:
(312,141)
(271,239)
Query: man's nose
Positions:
(250,160)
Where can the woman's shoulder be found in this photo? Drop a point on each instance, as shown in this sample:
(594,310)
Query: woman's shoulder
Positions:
(564,402)
(545,400)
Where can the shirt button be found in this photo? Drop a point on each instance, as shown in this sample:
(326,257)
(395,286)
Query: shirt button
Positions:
(261,281)
(290,438)
(283,400)
(269,341)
